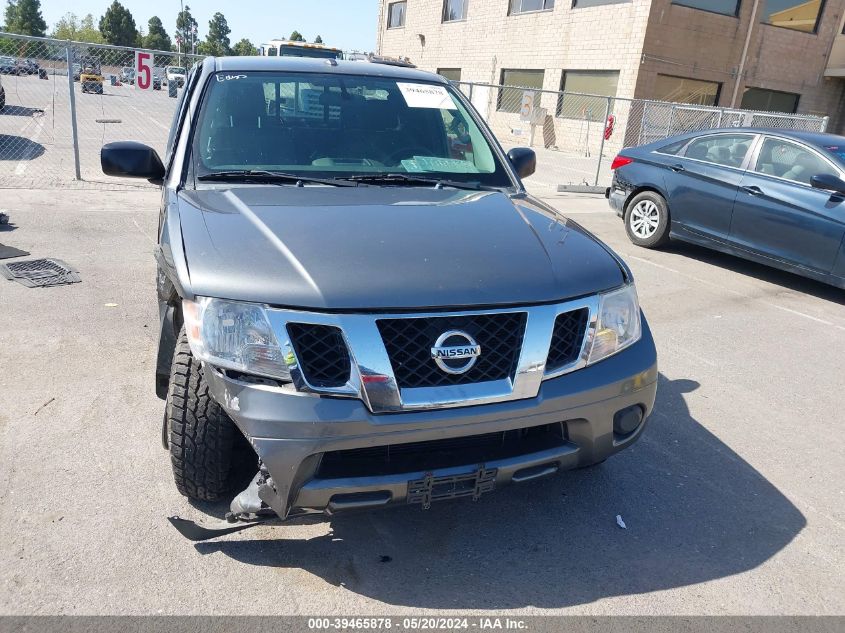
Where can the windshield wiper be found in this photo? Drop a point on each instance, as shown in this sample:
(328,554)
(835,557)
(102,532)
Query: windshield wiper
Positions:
(260,175)
(413,179)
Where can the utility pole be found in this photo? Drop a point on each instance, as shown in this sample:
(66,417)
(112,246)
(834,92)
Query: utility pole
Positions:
(741,70)
(178,34)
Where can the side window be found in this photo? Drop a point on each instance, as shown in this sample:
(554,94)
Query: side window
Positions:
(790,161)
(673,148)
(728,150)
(178,113)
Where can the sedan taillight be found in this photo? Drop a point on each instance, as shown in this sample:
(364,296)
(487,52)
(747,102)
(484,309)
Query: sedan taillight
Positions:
(620,161)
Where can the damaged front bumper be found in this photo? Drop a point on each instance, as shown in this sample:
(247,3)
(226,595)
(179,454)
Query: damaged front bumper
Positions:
(325,455)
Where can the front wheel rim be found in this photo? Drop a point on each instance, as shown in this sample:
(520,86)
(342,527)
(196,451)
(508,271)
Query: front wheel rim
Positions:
(645,219)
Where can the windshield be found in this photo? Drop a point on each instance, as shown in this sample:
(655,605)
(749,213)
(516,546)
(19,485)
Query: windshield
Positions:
(177,70)
(340,126)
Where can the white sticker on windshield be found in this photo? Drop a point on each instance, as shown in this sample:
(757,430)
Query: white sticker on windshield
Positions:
(426,96)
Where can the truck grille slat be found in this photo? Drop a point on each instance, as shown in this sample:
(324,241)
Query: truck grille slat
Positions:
(409,341)
(567,337)
(322,354)
(443,453)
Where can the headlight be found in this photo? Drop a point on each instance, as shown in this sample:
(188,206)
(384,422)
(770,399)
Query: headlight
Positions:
(234,335)
(618,324)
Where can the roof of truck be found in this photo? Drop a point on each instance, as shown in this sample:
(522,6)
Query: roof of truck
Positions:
(315,65)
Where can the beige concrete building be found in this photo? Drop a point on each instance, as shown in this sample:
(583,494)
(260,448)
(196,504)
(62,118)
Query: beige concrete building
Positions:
(774,55)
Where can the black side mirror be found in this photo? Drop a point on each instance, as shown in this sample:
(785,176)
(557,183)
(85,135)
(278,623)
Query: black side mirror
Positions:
(131,159)
(524,160)
(828,182)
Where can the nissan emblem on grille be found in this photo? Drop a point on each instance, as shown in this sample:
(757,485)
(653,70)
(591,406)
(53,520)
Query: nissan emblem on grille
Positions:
(453,347)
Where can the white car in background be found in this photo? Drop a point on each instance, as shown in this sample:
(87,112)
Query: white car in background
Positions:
(176,74)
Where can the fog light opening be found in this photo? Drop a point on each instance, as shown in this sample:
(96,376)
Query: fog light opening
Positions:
(627,420)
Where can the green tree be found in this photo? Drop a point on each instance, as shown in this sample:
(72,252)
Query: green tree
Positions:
(186,29)
(69,27)
(217,41)
(88,31)
(157,38)
(24,17)
(244,47)
(118,26)
(9,15)
(296,36)
(318,40)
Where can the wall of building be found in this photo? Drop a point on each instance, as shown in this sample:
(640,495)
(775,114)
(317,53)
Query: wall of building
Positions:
(606,37)
(692,43)
(593,38)
(639,38)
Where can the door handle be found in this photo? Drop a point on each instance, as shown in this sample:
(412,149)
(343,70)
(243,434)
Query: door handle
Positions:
(677,168)
(753,190)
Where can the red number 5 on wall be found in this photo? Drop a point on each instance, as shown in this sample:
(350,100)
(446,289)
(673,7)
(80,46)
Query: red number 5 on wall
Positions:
(143,70)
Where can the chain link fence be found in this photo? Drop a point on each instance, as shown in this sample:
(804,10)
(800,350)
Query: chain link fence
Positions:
(576,135)
(64,100)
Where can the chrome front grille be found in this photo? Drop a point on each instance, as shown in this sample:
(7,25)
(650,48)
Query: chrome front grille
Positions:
(409,342)
(385,359)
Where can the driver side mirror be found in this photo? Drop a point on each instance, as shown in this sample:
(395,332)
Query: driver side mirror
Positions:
(828,182)
(131,159)
(524,161)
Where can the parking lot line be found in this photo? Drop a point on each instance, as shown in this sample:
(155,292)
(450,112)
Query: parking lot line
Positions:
(23,163)
(152,120)
(735,292)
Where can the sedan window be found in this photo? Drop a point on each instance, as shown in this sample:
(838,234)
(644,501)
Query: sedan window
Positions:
(790,161)
(728,150)
(673,149)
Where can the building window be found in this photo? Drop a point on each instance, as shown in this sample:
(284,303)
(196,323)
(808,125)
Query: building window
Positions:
(510,99)
(770,100)
(577,4)
(396,14)
(798,15)
(586,82)
(454,10)
(726,7)
(526,6)
(685,90)
(452,74)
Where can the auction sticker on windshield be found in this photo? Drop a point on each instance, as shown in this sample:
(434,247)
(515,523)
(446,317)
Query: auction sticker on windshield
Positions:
(426,96)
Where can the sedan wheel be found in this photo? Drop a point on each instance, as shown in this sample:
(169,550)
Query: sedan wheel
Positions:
(647,220)
(644,219)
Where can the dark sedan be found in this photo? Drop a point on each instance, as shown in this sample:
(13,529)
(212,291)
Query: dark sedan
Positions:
(772,196)
(27,67)
(8,65)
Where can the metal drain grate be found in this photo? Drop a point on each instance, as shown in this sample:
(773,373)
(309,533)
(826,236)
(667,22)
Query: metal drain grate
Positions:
(40,273)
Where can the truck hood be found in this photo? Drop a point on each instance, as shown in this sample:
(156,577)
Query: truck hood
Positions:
(345,248)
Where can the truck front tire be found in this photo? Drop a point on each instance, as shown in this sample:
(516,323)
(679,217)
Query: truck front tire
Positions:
(201,437)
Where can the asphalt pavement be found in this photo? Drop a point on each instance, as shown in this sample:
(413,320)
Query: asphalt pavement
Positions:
(734,499)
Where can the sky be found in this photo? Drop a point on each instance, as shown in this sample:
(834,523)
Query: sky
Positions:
(345,24)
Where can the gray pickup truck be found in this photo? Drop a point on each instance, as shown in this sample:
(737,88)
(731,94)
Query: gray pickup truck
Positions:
(361,305)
